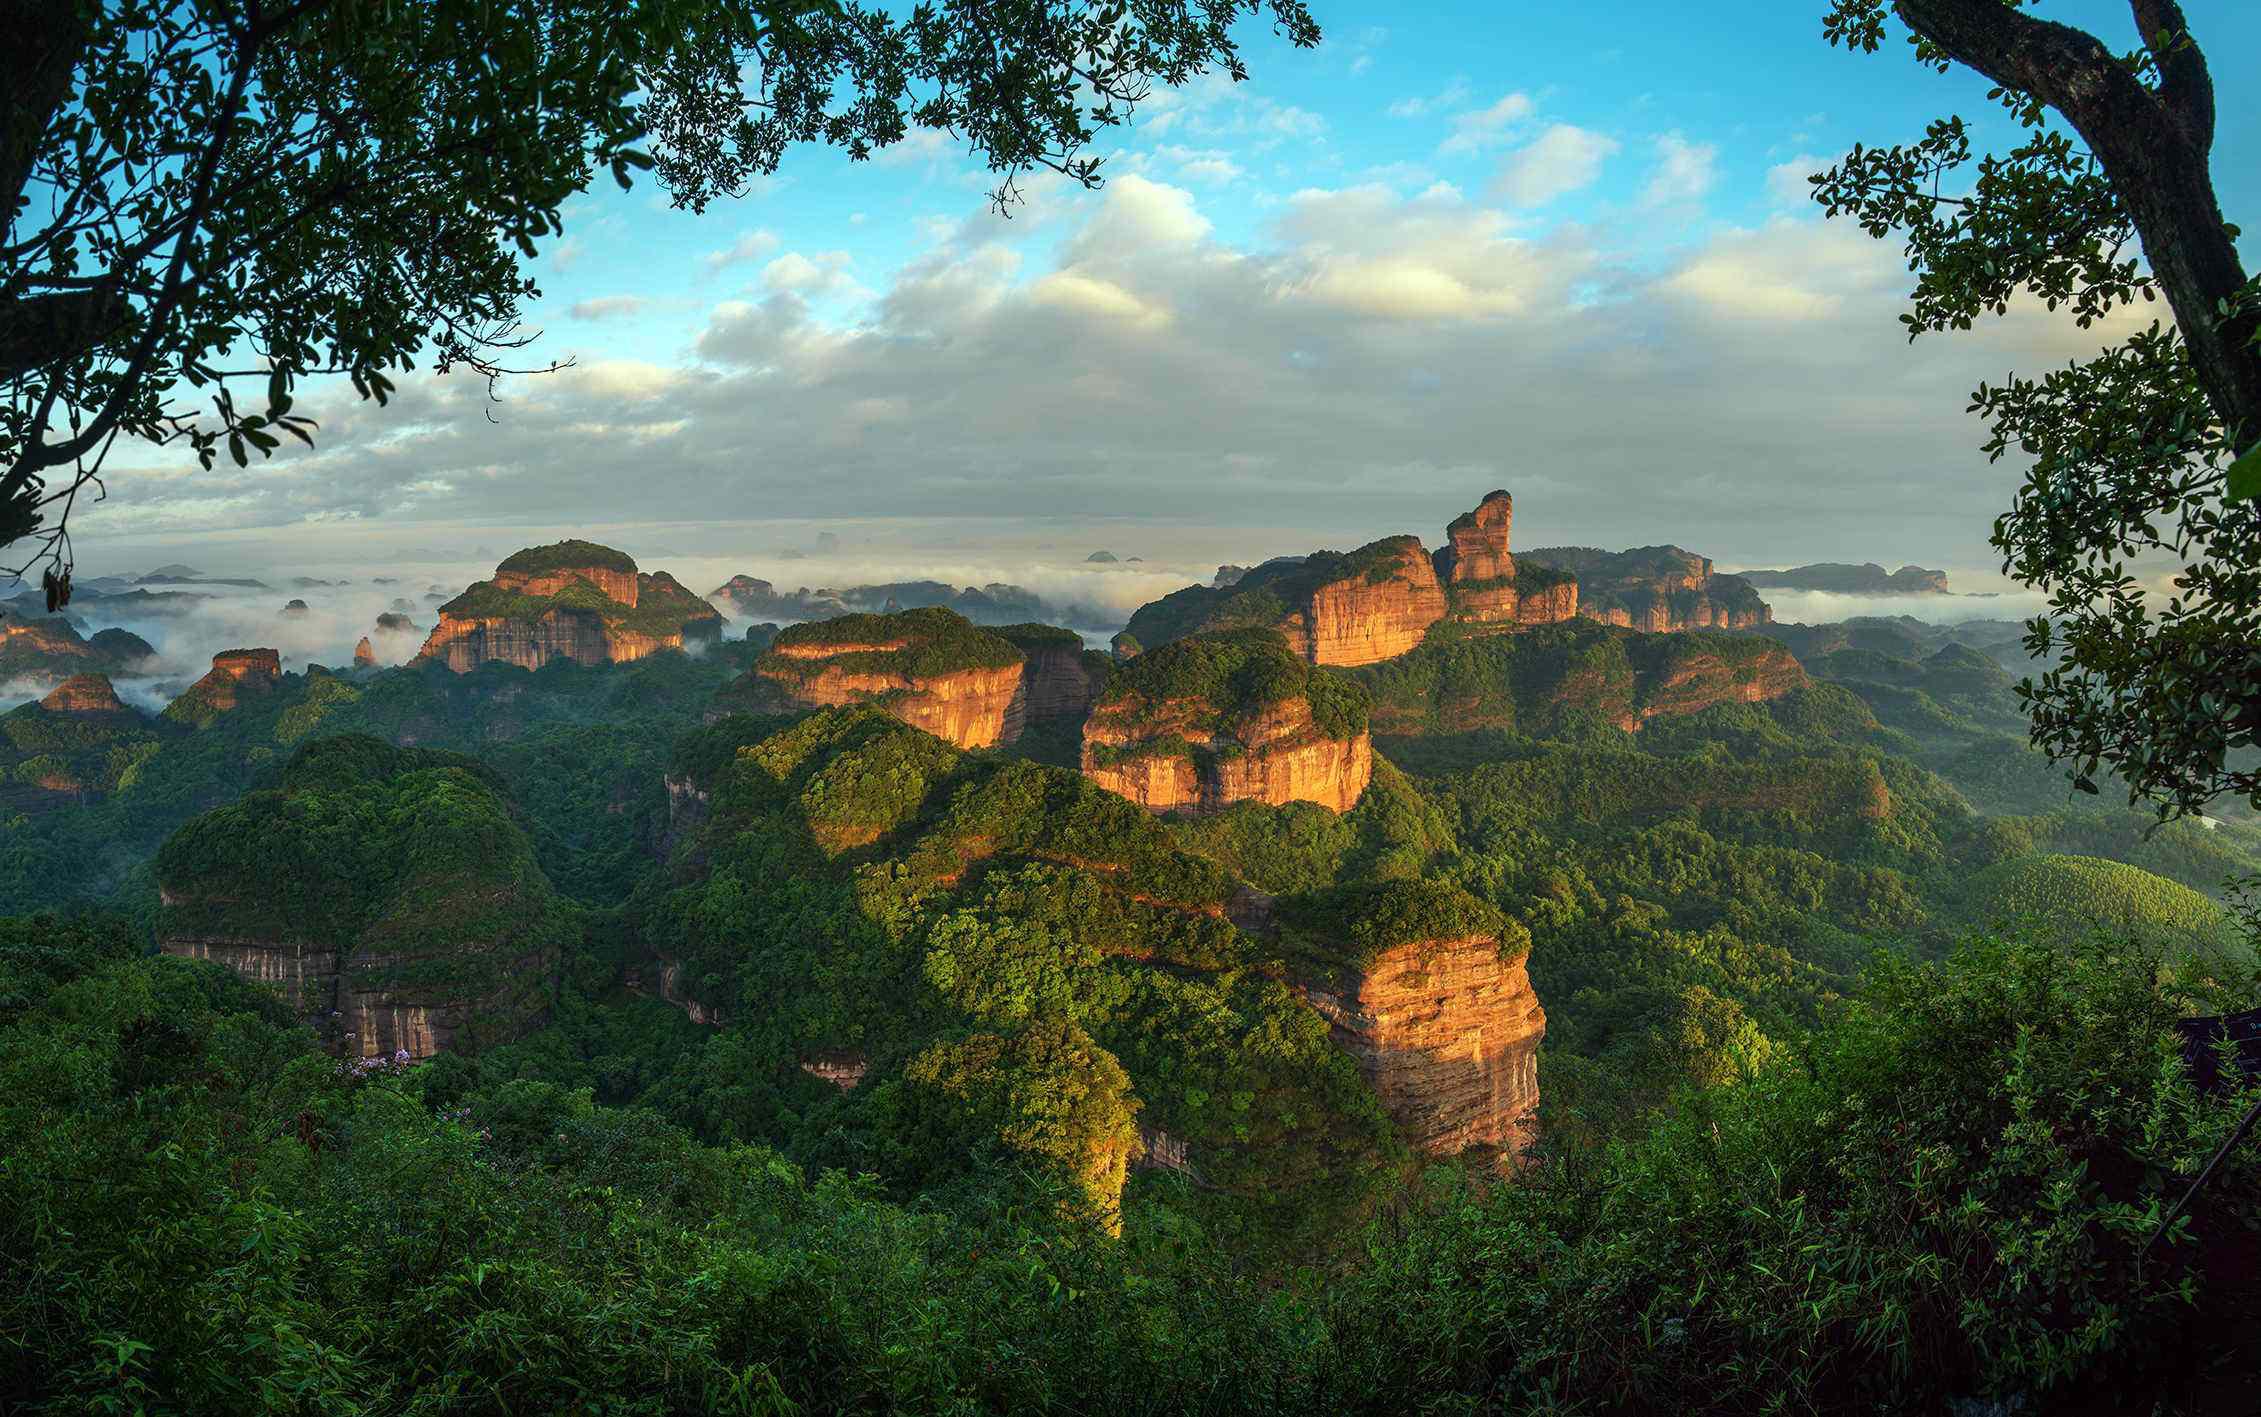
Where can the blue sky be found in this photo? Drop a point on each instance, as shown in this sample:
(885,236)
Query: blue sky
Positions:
(1558,248)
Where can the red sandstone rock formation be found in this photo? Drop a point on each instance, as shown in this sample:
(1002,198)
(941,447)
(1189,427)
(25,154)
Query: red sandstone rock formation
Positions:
(85,694)
(930,668)
(1694,680)
(1656,589)
(1551,605)
(1447,1032)
(1276,756)
(573,601)
(1060,678)
(1372,614)
(342,991)
(236,675)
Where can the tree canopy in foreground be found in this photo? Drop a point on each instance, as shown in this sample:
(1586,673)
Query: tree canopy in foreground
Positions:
(2132,450)
(210,201)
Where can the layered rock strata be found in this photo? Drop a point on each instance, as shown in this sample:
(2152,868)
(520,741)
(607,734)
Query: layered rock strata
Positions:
(1371,604)
(1447,1032)
(930,668)
(86,695)
(574,601)
(1656,589)
(1212,720)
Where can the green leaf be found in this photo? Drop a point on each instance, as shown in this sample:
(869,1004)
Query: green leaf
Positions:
(2245,476)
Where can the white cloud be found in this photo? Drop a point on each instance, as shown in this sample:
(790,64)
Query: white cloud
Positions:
(1786,184)
(796,274)
(1200,164)
(1561,160)
(1487,127)
(1369,362)
(1684,171)
(1453,96)
(607,307)
(750,246)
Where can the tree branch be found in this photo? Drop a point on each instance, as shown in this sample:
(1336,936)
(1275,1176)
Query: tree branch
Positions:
(39,455)
(2185,85)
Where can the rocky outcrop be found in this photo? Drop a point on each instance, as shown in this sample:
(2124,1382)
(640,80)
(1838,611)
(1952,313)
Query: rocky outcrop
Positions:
(1376,609)
(1060,677)
(364,654)
(86,696)
(1371,604)
(1705,670)
(545,571)
(1447,1032)
(574,600)
(50,647)
(356,1001)
(1539,679)
(236,677)
(390,895)
(1545,598)
(842,1070)
(1212,720)
(1842,579)
(930,668)
(1656,589)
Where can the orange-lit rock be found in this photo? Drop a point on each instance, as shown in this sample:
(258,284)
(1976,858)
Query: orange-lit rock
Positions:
(1203,754)
(930,668)
(1656,589)
(86,694)
(364,654)
(1550,604)
(1447,1032)
(1477,543)
(236,675)
(1371,614)
(575,601)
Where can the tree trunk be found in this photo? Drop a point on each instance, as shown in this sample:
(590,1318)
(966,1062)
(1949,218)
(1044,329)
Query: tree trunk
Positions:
(2154,147)
(45,41)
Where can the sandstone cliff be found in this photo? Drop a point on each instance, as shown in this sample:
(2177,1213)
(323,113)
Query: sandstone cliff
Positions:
(426,926)
(236,676)
(1369,605)
(1216,719)
(1061,677)
(573,600)
(929,668)
(1448,1033)
(1656,589)
(86,695)
(50,647)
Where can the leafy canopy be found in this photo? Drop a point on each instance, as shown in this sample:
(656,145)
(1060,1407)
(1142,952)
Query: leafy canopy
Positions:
(208,202)
(2131,451)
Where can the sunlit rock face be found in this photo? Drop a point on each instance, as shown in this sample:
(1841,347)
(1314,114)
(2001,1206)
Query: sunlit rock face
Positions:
(1656,589)
(930,668)
(1332,607)
(1211,720)
(364,654)
(1373,613)
(236,676)
(1275,757)
(1448,1033)
(573,600)
(90,695)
